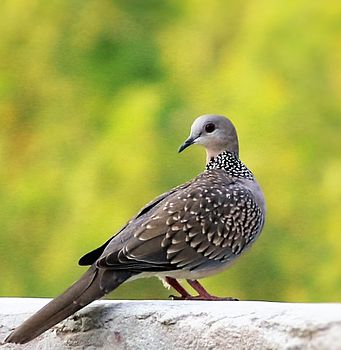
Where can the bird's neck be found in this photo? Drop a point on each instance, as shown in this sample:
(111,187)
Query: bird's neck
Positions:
(231,163)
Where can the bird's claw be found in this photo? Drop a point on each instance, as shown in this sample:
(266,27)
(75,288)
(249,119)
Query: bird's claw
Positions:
(202,298)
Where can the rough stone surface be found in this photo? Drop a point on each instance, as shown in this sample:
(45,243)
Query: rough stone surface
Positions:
(182,325)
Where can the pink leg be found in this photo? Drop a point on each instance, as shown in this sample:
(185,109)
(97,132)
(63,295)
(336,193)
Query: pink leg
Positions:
(203,294)
(178,287)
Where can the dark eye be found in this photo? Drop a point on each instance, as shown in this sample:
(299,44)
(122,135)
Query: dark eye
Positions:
(210,127)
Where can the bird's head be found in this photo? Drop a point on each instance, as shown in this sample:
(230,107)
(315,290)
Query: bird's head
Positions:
(215,132)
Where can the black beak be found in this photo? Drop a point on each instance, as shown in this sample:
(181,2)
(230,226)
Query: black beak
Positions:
(187,143)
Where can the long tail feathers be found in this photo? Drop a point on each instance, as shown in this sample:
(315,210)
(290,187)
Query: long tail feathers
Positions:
(93,285)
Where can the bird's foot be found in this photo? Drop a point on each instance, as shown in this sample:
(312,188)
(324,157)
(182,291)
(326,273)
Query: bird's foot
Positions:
(202,292)
(202,298)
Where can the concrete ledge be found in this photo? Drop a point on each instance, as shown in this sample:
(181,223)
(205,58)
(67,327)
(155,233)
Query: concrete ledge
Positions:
(183,325)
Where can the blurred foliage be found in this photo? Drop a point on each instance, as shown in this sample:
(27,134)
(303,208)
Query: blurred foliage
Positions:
(96,96)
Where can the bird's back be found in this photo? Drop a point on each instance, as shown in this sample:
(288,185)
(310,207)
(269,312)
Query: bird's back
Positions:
(198,226)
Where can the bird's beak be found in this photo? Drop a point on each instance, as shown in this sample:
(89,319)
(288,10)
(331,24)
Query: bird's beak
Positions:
(186,144)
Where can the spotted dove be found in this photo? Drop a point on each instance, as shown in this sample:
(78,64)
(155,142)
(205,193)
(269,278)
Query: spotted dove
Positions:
(192,231)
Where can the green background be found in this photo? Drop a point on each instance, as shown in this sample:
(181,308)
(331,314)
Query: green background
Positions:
(96,97)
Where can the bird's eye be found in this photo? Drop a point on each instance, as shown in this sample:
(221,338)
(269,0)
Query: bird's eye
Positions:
(210,127)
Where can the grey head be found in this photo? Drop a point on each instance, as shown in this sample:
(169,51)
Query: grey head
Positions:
(216,133)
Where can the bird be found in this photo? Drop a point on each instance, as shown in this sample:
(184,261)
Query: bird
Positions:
(193,231)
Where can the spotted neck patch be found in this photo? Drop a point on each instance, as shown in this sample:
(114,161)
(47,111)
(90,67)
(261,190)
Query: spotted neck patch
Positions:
(231,163)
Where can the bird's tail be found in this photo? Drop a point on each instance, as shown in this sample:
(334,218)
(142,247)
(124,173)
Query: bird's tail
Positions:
(93,285)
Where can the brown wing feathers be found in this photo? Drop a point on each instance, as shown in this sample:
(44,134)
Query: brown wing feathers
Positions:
(210,220)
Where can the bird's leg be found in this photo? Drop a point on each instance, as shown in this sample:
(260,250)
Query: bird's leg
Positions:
(179,288)
(203,293)
(184,295)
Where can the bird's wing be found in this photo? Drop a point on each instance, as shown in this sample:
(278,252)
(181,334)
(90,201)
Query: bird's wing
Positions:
(202,225)
(92,256)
